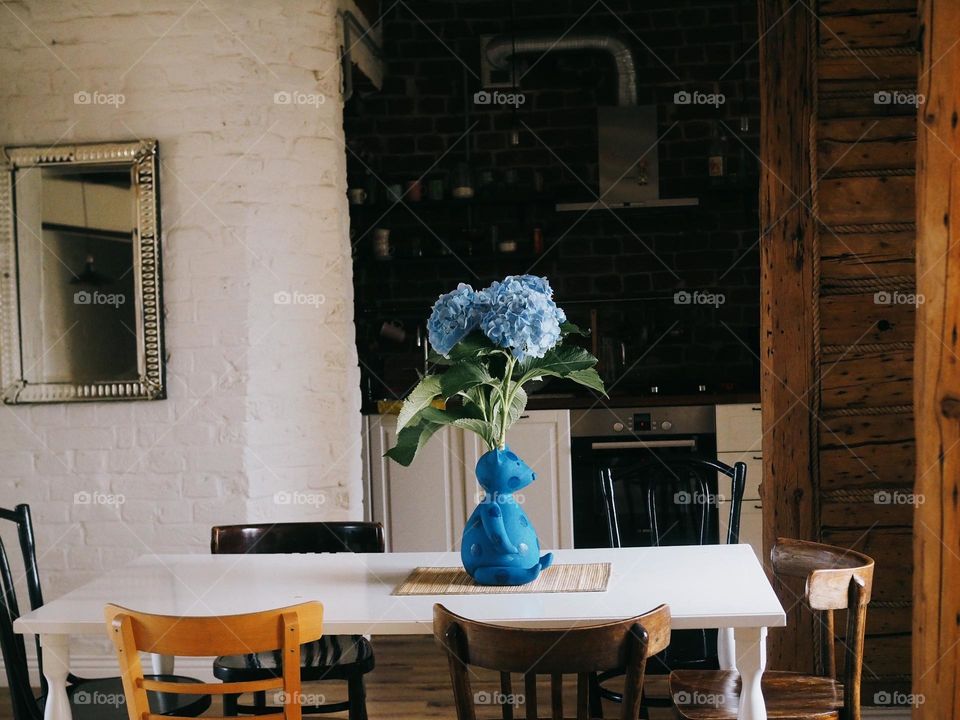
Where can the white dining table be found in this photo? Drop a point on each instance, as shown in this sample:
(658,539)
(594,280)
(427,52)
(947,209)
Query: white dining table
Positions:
(720,586)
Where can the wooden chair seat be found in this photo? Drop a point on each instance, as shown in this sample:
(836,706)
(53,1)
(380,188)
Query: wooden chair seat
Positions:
(332,657)
(715,695)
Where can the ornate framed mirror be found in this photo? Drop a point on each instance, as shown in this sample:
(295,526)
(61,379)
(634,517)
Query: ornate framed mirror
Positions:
(80,290)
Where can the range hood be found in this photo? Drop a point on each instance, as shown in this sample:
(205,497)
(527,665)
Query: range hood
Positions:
(627,140)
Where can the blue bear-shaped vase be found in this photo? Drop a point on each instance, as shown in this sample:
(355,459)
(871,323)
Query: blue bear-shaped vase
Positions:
(500,545)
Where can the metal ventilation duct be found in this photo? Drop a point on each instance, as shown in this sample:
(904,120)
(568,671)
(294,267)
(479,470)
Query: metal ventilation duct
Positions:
(502,47)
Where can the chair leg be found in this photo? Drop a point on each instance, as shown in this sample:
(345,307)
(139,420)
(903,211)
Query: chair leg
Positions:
(357,696)
(596,704)
(260,701)
(230,705)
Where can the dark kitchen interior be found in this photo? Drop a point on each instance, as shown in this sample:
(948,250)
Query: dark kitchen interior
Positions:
(623,272)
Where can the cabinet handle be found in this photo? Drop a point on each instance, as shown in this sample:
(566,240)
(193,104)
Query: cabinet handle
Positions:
(524,417)
(757,457)
(758,507)
(756,409)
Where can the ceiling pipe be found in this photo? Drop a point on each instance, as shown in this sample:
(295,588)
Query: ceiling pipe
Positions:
(502,47)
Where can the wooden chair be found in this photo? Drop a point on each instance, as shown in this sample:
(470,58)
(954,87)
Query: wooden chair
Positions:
(332,657)
(648,493)
(280,630)
(555,652)
(837,579)
(90,699)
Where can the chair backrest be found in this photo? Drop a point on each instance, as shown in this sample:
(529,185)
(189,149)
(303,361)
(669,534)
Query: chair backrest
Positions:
(664,497)
(284,629)
(624,644)
(836,579)
(25,706)
(298,537)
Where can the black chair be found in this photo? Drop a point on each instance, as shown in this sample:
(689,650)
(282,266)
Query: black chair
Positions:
(96,699)
(332,657)
(670,501)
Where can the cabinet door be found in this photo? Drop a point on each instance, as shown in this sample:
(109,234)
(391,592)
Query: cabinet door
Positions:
(739,428)
(421,506)
(542,439)
(751,524)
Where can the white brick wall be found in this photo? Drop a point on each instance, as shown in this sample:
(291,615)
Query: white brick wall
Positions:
(263,398)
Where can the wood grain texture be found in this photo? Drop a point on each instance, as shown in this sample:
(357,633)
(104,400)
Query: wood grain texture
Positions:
(866,255)
(869,143)
(787,287)
(869,30)
(867,450)
(286,628)
(936,641)
(867,379)
(625,644)
(835,579)
(865,200)
(879,315)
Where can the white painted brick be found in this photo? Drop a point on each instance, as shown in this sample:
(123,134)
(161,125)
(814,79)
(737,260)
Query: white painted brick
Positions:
(253,201)
(79,438)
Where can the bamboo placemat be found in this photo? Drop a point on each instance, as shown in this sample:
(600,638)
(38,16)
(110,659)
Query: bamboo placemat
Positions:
(576,577)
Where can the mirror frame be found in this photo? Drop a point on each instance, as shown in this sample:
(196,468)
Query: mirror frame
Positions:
(141,157)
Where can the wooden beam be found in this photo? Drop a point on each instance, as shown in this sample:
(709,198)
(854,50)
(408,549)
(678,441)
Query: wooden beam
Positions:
(788,383)
(936,622)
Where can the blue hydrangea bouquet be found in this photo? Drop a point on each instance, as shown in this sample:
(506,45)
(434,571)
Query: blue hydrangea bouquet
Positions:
(488,345)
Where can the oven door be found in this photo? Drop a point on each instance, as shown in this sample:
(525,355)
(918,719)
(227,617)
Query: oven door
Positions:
(594,455)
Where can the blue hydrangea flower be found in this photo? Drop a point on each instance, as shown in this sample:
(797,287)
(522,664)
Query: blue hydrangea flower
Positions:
(454,316)
(521,316)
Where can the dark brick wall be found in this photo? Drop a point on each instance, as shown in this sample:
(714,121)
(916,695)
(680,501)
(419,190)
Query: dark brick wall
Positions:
(625,264)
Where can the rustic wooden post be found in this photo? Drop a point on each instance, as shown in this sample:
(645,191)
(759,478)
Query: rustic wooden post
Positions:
(788,385)
(936,621)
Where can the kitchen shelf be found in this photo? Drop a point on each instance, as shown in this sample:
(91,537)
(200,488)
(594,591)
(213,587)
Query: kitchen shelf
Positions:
(637,205)
(518,198)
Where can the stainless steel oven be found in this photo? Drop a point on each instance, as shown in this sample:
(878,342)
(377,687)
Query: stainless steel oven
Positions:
(609,438)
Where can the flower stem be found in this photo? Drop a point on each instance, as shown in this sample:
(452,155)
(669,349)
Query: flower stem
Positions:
(505,400)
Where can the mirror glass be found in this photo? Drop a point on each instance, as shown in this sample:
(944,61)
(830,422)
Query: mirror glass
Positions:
(75,259)
(80,292)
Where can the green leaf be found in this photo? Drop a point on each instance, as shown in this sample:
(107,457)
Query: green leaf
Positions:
(474,345)
(410,440)
(426,391)
(568,328)
(517,405)
(481,427)
(588,378)
(559,362)
(462,377)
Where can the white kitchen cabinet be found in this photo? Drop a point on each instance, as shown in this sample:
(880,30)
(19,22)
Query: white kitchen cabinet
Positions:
(425,506)
(542,439)
(740,439)
(739,428)
(421,506)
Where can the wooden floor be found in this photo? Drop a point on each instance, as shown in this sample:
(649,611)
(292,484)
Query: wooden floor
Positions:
(411,682)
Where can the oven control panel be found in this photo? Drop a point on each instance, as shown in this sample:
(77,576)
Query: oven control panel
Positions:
(599,422)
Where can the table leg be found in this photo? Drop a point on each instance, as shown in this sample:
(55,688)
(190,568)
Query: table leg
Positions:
(751,659)
(726,649)
(162,664)
(56,667)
